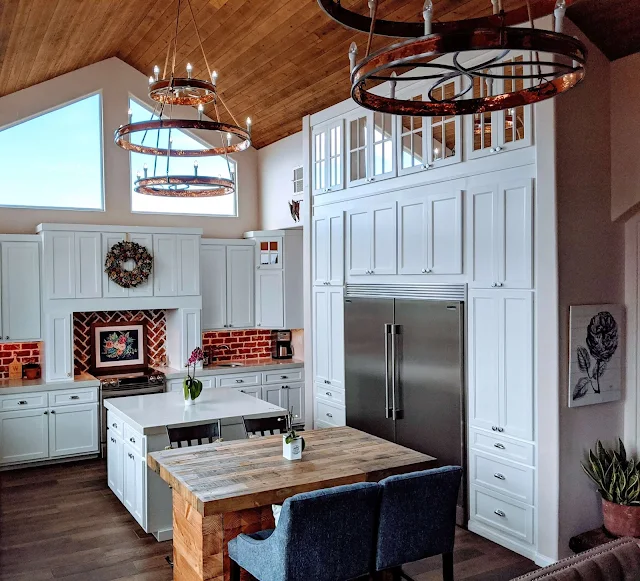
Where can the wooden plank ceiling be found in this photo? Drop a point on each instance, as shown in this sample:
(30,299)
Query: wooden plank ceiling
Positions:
(277,59)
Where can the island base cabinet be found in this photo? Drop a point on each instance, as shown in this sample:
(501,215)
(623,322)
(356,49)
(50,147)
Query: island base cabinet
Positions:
(134,492)
(24,436)
(73,429)
(115,466)
(290,397)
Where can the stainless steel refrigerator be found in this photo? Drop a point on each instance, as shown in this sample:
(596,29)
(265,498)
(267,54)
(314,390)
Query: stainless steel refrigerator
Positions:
(404,375)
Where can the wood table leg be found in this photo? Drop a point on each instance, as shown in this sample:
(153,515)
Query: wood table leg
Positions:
(200,543)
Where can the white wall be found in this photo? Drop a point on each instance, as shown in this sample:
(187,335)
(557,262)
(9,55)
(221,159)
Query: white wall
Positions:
(625,136)
(117,81)
(590,271)
(275,174)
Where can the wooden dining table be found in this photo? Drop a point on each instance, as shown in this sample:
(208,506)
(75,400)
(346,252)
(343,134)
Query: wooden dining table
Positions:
(221,490)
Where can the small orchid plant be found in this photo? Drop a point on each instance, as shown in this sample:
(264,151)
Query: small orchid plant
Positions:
(192,386)
(291,434)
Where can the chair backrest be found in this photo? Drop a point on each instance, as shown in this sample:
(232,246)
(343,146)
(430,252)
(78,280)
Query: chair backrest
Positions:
(329,534)
(189,434)
(616,561)
(417,516)
(265,426)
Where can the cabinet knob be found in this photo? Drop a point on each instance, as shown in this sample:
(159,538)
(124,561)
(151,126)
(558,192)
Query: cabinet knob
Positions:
(498,149)
(328,393)
(424,271)
(239,380)
(74,397)
(500,429)
(46,413)
(499,513)
(493,285)
(132,440)
(499,446)
(53,411)
(285,387)
(499,476)
(500,284)
(113,440)
(115,425)
(258,324)
(130,455)
(7,337)
(493,150)
(494,428)
(68,374)
(329,415)
(229,325)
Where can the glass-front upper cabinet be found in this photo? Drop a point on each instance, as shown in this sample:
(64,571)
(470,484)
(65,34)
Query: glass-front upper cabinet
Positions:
(370,147)
(328,157)
(491,133)
(426,142)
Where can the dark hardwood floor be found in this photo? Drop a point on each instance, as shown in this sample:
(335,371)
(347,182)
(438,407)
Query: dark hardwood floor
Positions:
(62,523)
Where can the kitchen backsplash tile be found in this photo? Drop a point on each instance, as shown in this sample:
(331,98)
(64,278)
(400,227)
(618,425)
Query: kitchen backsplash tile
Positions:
(156,333)
(25,352)
(245,344)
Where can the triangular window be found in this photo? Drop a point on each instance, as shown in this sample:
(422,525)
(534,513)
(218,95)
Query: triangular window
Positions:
(54,160)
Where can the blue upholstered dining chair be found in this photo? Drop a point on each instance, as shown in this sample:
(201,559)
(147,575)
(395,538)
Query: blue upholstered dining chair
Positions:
(325,535)
(417,519)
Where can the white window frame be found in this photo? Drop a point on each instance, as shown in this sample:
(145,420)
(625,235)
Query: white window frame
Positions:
(101,134)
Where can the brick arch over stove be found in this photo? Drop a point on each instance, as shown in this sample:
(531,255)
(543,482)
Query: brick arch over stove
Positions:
(156,333)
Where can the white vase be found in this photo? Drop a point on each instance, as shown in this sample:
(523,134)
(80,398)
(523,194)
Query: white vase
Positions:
(292,450)
(189,402)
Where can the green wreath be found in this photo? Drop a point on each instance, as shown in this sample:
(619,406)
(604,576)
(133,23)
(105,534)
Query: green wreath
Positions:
(122,252)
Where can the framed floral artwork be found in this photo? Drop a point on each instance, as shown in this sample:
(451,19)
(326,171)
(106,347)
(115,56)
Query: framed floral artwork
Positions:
(118,347)
(596,347)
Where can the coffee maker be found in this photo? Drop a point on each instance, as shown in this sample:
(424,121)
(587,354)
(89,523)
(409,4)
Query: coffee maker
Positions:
(281,341)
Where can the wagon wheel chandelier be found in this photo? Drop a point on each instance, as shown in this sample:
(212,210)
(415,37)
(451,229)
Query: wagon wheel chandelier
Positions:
(170,91)
(561,68)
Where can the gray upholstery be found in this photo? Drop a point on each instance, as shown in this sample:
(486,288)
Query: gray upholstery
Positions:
(417,516)
(616,561)
(325,535)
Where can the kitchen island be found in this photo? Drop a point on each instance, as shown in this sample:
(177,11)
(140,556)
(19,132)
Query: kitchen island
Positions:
(224,489)
(137,425)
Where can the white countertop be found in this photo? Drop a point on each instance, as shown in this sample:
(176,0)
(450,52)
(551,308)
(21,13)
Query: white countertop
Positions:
(10,386)
(149,413)
(222,367)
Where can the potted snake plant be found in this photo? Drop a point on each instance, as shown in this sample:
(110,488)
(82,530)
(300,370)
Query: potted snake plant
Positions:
(618,480)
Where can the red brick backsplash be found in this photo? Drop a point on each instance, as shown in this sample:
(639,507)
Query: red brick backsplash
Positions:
(25,352)
(243,345)
(156,333)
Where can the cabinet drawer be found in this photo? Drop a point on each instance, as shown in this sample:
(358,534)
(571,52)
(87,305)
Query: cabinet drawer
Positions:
(282,375)
(330,414)
(330,393)
(508,516)
(134,439)
(239,380)
(502,447)
(502,476)
(73,396)
(22,401)
(115,424)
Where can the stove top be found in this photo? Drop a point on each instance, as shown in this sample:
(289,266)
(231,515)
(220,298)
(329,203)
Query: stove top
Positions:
(147,377)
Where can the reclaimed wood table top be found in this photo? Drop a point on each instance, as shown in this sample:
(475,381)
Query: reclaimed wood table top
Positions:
(241,474)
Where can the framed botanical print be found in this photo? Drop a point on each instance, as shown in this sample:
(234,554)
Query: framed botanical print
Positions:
(118,347)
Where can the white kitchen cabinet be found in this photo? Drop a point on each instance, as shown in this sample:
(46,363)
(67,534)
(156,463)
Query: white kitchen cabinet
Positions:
(165,265)
(24,435)
(500,235)
(240,301)
(144,289)
(73,430)
(328,157)
(20,291)
(184,334)
(493,133)
(253,390)
(501,362)
(430,234)
(228,291)
(371,240)
(110,288)
(213,263)
(328,330)
(269,299)
(89,264)
(134,490)
(115,464)
(191,331)
(188,247)
(288,396)
(328,249)
(370,147)
(59,268)
(58,347)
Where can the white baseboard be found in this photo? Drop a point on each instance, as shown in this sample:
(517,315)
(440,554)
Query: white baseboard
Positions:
(163,535)
(528,551)
(543,560)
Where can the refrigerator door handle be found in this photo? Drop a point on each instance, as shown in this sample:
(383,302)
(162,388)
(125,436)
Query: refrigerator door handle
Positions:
(396,411)
(387,369)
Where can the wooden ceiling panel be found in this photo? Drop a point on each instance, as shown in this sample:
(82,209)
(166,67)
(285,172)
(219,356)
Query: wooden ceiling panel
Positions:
(277,59)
